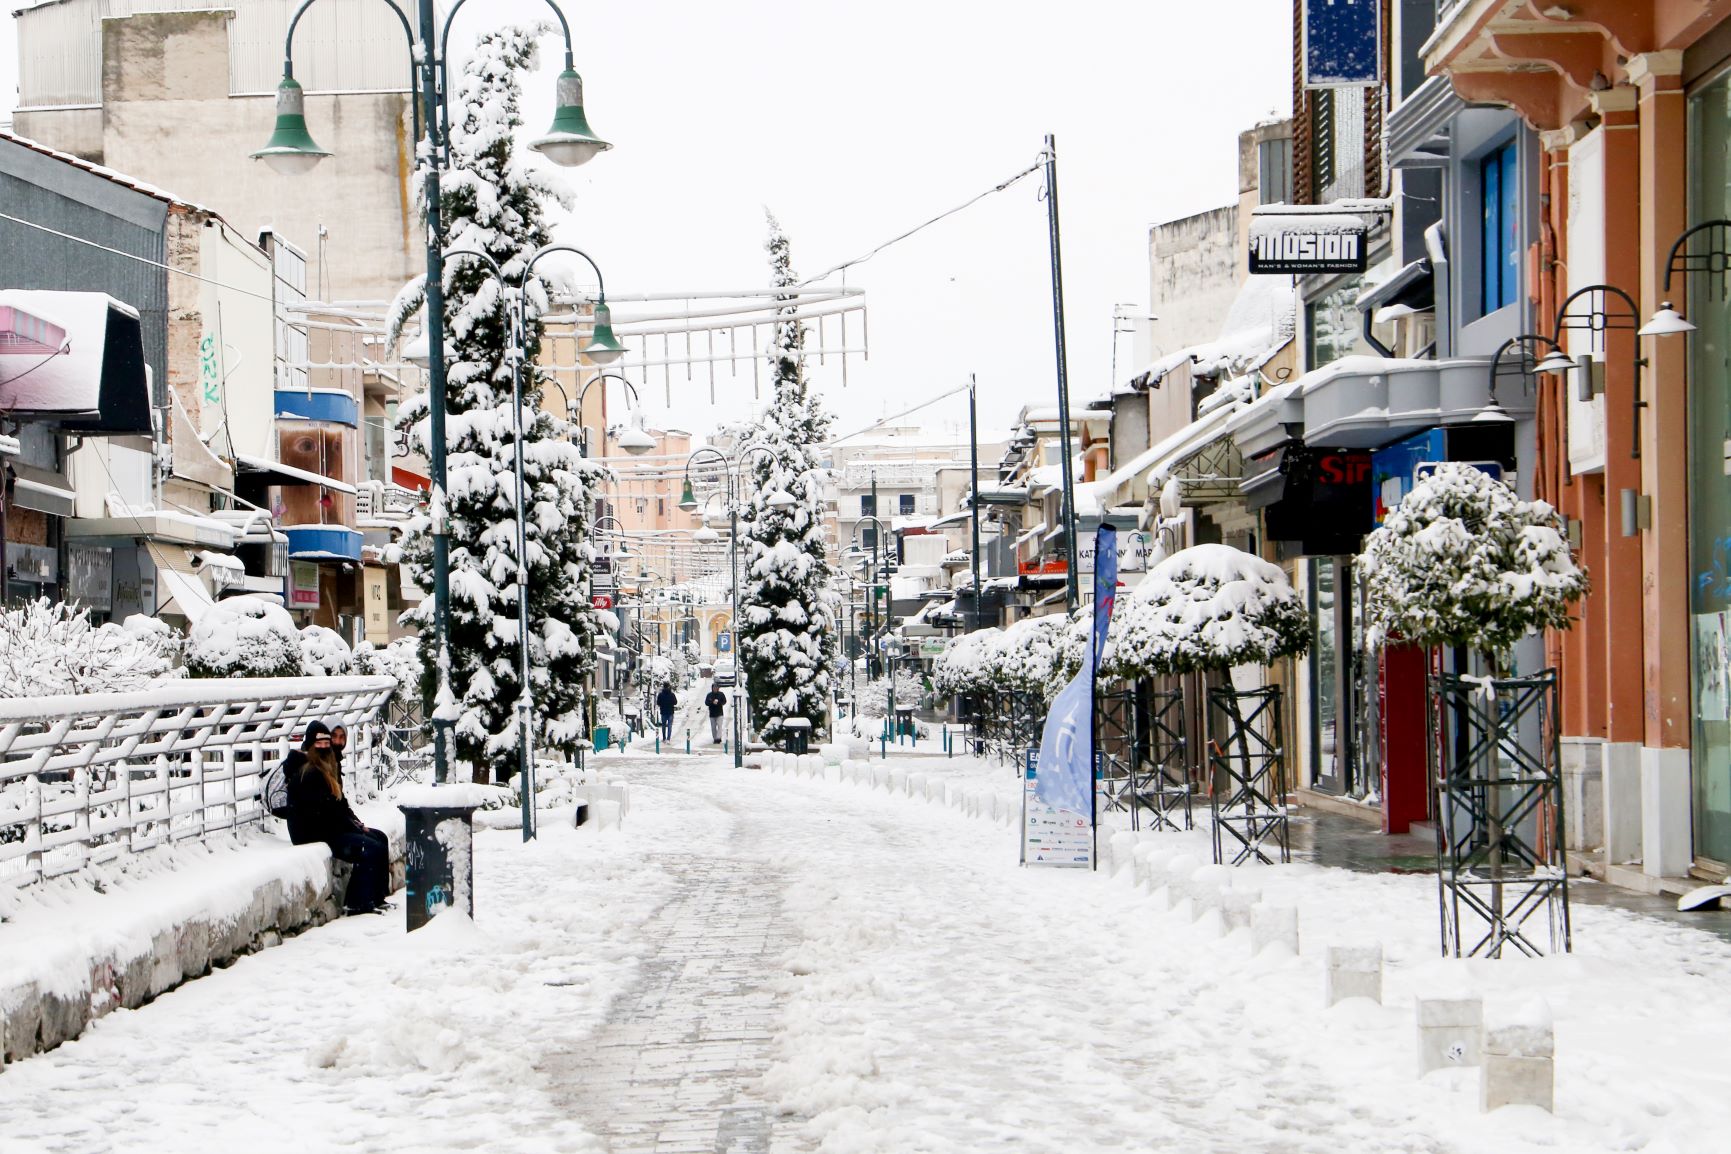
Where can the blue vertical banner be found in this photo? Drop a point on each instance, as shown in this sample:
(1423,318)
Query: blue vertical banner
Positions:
(1064,777)
(1342,43)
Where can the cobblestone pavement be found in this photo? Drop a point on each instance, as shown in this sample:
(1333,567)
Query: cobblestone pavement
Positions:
(674,1070)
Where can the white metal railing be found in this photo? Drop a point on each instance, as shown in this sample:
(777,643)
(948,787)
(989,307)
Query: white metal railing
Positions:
(87,779)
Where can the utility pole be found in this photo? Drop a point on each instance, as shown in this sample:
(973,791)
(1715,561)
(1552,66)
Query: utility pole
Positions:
(1067,508)
(974,499)
(872,585)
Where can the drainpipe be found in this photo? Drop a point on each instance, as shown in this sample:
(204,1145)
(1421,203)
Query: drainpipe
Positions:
(1436,247)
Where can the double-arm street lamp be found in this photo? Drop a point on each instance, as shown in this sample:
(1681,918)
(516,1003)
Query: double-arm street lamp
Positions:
(569,142)
(635,439)
(878,530)
(780,499)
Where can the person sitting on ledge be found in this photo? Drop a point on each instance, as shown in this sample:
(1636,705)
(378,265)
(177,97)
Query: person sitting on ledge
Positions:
(318,811)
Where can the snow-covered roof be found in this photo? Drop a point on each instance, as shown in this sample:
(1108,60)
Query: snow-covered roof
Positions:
(105,173)
(1259,323)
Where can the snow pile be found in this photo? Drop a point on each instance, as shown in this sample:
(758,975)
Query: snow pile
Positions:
(1464,561)
(47,649)
(244,637)
(324,653)
(1207,607)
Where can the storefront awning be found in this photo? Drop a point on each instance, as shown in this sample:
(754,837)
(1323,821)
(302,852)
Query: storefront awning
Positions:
(1366,402)
(74,359)
(276,473)
(43,490)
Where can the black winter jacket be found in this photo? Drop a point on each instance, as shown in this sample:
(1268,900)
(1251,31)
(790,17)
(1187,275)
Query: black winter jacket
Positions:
(666,702)
(315,813)
(717,702)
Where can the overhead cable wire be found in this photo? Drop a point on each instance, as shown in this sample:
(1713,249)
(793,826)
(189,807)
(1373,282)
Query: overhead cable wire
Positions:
(970,202)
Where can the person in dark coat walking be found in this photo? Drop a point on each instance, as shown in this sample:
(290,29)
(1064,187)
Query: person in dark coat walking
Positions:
(318,811)
(666,702)
(716,701)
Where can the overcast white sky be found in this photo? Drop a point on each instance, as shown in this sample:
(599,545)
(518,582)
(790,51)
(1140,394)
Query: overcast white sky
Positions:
(854,122)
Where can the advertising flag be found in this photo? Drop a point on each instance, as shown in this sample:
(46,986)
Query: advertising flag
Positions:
(1064,778)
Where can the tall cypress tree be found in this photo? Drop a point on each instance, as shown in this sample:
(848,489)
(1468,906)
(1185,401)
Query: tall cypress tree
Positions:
(492,202)
(788,608)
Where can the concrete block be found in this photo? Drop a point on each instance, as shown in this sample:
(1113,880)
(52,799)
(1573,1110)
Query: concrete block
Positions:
(1273,925)
(832,752)
(1352,972)
(1666,834)
(898,780)
(20,1021)
(1120,850)
(132,978)
(1517,1058)
(880,778)
(1449,1032)
(1236,906)
(1583,766)
(64,1017)
(1178,871)
(916,785)
(832,774)
(1622,791)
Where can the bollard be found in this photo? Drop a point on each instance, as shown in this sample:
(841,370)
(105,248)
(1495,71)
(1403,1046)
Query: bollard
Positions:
(883,748)
(1273,925)
(1178,872)
(1205,887)
(1517,1058)
(658,741)
(1449,1032)
(1353,972)
(1235,908)
(688,741)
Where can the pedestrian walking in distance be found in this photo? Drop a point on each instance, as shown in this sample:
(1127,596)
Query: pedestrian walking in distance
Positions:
(717,703)
(666,702)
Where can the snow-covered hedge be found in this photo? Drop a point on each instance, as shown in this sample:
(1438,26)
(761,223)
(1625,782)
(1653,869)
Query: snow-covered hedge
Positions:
(874,695)
(48,649)
(1206,607)
(244,637)
(324,653)
(1464,561)
(963,667)
(400,660)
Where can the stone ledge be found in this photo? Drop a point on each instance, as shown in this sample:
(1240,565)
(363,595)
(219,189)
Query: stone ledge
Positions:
(34,1020)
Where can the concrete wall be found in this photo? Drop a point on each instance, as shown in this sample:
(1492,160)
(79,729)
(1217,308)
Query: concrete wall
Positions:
(34,1020)
(167,119)
(1194,273)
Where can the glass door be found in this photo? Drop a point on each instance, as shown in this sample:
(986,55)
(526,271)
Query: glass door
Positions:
(1710,479)
(1325,728)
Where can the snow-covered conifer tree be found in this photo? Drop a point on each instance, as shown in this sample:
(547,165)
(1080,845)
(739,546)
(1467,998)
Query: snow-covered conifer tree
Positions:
(787,606)
(492,202)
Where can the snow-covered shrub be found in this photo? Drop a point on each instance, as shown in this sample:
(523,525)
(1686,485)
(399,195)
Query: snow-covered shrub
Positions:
(157,636)
(400,660)
(658,671)
(874,696)
(244,637)
(966,663)
(48,649)
(1026,658)
(1206,607)
(324,653)
(1464,561)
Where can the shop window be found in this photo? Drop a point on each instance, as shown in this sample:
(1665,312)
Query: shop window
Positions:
(906,504)
(869,536)
(1500,232)
(868,505)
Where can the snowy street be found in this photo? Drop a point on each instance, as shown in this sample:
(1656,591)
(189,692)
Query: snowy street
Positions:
(763,963)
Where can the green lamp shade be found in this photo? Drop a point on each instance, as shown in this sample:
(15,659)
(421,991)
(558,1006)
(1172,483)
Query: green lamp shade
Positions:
(687,499)
(291,149)
(603,347)
(570,141)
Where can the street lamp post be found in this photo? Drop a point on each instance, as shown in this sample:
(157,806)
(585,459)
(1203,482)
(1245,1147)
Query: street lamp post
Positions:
(872,622)
(688,502)
(634,440)
(292,151)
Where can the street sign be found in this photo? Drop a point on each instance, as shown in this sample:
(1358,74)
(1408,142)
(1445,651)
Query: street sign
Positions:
(601,601)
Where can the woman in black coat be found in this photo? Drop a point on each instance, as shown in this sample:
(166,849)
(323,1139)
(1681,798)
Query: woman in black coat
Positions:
(318,811)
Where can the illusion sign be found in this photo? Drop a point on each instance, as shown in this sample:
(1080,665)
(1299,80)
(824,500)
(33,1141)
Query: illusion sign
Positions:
(1299,250)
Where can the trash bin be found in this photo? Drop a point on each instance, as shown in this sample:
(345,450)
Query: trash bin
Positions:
(438,871)
(603,737)
(798,734)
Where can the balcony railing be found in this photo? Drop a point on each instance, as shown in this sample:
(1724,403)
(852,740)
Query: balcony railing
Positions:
(89,779)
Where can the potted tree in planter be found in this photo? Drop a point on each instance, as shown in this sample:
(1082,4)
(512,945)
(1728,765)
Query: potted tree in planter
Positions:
(1209,609)
(1463,563)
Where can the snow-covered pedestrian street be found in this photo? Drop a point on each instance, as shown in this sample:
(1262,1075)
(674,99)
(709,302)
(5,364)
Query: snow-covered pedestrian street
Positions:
(756,962)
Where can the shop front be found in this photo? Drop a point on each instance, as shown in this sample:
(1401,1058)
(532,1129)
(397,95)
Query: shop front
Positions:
(1710,478)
